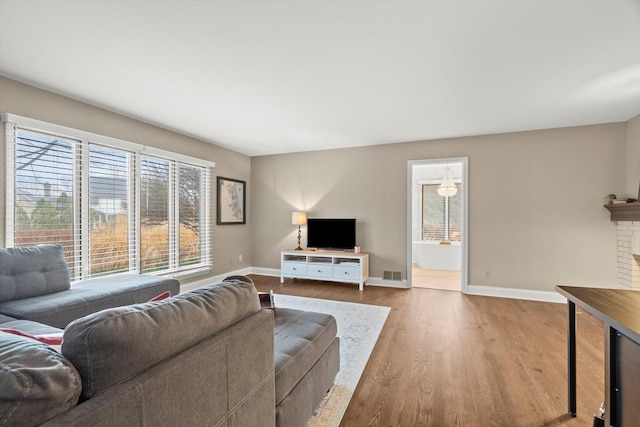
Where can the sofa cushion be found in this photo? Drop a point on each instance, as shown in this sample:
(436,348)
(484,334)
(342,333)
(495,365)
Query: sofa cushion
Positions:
(36,382)
(300,338)
(114,345)
(89,296)
(131,288)
(28,272)
(4,319)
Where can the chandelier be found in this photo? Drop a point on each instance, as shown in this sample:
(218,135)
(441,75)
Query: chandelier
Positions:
(447,188)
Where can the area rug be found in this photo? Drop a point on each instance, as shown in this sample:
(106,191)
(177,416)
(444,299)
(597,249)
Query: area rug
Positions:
(359,326)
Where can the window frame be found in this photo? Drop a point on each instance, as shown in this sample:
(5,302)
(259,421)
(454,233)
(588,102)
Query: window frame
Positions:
(446,210)
(82,140)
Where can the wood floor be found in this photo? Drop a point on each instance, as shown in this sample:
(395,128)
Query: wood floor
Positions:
(445,280)
(448,359)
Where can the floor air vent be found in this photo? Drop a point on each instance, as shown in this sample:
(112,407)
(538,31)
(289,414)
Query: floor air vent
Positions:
(392,275)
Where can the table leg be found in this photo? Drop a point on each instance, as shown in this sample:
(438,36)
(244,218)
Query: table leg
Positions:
(571,357)
(611,378)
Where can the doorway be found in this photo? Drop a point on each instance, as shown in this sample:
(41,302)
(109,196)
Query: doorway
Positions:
(437,199)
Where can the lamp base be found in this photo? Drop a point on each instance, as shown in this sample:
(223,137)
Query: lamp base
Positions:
(299,235)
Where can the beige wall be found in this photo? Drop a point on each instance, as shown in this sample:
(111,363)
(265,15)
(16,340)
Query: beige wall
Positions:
(535,198)
(633,158)
(229,241)
(536,215)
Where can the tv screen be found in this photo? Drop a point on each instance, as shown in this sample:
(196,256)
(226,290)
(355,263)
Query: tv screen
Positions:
(331,233)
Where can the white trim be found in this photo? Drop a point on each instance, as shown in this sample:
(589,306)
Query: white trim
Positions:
(10,184)
(71,133)
(273,272)
(379,281)
(206,231)
(213,279)
(185,274)
(82,251)
(487,291)
(135,243)
(174,216)
(464,271)
(522,294)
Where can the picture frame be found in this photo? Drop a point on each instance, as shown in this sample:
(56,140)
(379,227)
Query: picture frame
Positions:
(231,196)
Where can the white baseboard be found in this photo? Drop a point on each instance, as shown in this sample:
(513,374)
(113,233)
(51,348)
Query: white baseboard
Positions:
(488,291)
(379,281)
(524,294)
(275,272)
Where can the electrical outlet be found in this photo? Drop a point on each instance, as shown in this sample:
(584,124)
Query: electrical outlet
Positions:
(487,274)
(240,258)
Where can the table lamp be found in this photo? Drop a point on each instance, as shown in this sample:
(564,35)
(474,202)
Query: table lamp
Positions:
(299,218)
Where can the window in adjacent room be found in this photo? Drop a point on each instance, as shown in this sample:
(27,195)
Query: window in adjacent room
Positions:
(441,216)
(113,206)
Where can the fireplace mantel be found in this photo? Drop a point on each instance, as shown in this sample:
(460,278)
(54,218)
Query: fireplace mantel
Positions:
(624,211)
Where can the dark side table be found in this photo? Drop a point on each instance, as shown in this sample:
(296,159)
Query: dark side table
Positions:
(619,310)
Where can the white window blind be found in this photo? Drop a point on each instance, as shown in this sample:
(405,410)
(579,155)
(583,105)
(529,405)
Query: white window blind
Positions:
(155,206)
(42,192)
(113,206)
(109,212)
(192,228)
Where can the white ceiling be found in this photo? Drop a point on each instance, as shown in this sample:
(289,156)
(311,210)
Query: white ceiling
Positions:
(264,77)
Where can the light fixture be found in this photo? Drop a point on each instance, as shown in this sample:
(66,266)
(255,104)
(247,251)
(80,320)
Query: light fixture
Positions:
(447,188)
(299,218)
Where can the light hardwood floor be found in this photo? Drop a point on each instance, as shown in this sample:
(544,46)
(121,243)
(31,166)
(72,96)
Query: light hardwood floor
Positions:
(449,359)
(445,280)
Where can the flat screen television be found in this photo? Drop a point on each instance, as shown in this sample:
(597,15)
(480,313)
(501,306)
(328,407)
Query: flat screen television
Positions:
(331,233)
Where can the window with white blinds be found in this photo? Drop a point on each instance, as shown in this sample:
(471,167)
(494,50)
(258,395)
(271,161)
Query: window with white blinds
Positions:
(113,206)
(155,204)
(41,193)
(441,216)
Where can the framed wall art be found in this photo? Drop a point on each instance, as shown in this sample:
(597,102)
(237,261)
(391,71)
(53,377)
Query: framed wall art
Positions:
(231,195)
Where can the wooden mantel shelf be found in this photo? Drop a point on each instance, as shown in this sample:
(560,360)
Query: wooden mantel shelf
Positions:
(624,211)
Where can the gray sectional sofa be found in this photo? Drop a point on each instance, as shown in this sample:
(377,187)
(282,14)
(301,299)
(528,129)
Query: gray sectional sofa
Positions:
(35,285)
(307,359)
(209,357)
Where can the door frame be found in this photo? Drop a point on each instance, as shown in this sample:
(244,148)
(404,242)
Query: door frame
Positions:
(464,243)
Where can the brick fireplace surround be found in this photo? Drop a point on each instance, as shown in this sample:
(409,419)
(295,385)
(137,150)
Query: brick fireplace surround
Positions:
(629,254)
(627,217)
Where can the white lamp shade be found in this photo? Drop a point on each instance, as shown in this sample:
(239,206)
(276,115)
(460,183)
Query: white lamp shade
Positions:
(299,218)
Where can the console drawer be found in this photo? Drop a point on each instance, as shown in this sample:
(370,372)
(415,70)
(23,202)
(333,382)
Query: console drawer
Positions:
(346,273)
(295,268)
(319,270)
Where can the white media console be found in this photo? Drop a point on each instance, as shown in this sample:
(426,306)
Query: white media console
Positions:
(334,266)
